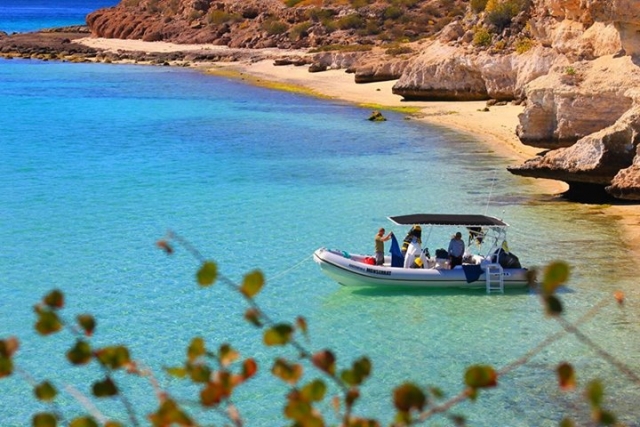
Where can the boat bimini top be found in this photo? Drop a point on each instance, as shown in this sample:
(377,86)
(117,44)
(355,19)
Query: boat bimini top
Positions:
(445,219)
(487,233)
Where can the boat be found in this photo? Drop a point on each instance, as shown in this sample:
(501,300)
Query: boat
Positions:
(487,262)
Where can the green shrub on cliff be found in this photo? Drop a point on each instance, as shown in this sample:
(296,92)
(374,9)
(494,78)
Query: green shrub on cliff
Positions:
(501,12)
(481,37)
(478,6)
(352,21)
(298,30)
(219,17)
(524,45)
(274,27)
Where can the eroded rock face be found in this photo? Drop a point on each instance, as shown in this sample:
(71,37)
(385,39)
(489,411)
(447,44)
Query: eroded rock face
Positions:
(587,105)
(606,158)
(447,72)
(575,100)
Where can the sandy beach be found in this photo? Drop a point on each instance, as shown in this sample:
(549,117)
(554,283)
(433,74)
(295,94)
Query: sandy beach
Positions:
(495,127)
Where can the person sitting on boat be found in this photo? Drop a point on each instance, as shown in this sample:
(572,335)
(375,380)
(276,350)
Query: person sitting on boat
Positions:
(379,240)
(414,235)
(456,250)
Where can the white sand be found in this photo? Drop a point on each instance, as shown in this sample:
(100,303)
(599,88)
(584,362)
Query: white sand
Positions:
(495,128)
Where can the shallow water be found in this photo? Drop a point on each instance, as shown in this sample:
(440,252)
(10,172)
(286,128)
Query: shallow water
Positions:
(99,161)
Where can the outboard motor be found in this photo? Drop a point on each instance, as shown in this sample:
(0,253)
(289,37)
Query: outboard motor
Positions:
(508,260)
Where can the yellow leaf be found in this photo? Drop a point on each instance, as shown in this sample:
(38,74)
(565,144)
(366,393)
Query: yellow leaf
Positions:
(252,284)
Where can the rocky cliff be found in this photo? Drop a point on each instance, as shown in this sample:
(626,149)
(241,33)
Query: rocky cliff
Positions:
(573,63)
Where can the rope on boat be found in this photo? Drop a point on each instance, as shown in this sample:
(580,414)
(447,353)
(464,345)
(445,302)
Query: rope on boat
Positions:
(282,273)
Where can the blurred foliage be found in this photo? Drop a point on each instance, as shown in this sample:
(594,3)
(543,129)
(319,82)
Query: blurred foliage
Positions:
(218,371)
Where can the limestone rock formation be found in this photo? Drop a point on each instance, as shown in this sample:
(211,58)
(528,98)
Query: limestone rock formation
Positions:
(586,104)
(573,101)
(595,160)
(448,72)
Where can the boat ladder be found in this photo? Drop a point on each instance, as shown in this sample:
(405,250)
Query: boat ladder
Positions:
(494,278)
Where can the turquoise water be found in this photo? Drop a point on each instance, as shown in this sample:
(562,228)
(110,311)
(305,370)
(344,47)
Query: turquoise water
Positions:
(99,161)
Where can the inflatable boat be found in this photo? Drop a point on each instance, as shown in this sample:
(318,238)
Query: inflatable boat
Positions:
(486,263)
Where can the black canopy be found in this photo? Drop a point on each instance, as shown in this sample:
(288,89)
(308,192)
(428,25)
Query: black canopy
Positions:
(446,219)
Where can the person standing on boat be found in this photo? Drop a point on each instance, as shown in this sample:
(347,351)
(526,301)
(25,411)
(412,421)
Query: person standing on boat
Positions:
(456,250)
(379,240)
(414,235)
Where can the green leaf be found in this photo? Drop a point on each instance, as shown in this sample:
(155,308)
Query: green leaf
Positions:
(196,349)
(555,275)
(297,408)
(207,274)
(48,323)
(114,357)
(113,424)
(54,299)
(6,366)
(80,354)
(87,323)
(314,391)
(176,372)
(44,419)
(481,376)
(278,335)
(170,413)
(45,391)
(605,417)
(252,284)
(595,393)
(105,388)
(83,422)
(199,373)
(566,422)
(409,396)
(359,371)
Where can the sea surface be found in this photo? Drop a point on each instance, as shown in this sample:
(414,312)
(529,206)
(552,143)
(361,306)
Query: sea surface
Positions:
(99,161)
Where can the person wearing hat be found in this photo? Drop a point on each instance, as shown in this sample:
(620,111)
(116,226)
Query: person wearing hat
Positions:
(456,250)
(379,240)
